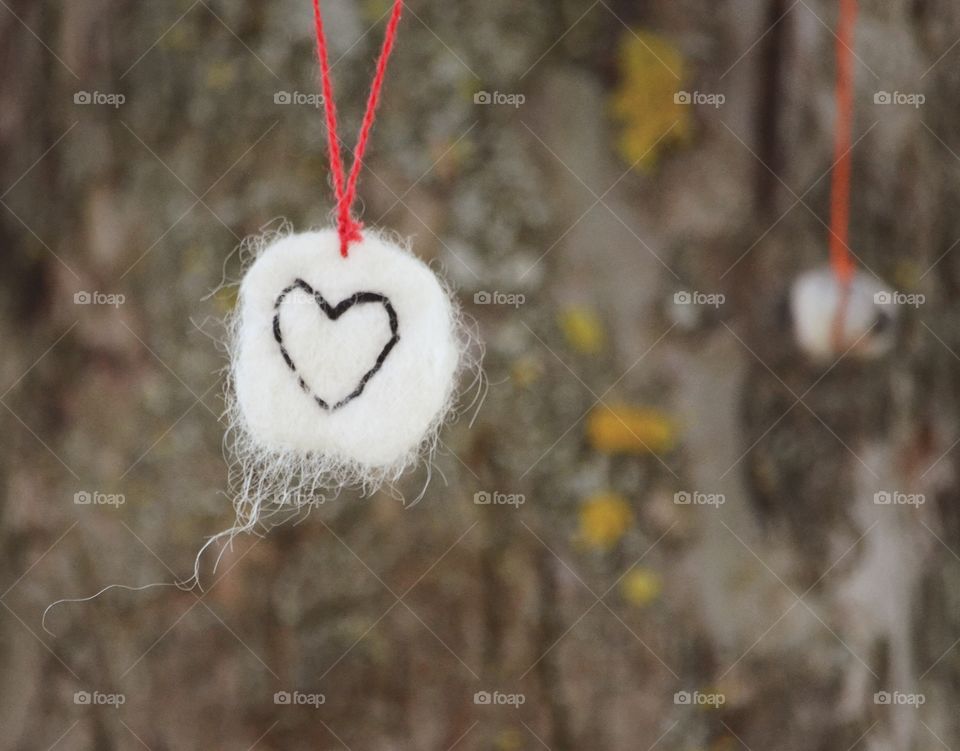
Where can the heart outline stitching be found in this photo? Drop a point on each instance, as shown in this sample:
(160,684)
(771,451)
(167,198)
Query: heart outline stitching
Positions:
(333,312)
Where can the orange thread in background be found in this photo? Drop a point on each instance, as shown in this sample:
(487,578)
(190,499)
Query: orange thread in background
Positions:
(841,260)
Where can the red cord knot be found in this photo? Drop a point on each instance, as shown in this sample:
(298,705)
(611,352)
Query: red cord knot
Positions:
(350,232)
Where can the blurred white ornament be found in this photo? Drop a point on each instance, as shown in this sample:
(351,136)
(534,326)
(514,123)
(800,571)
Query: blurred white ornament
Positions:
(831,319)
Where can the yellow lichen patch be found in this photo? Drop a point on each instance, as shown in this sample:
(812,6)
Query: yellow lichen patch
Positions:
(226,297)
(906,275)
(448,158)
(374,10)
(510,740)
(652,72)
(604,519)
(583,330)
(221,75)
(179,38)
(526,371)
(625,429)
(641,586)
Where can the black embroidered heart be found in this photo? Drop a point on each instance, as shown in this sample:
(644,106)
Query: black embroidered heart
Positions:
(333,312)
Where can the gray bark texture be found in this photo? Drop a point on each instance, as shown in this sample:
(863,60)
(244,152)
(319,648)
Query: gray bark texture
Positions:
(784,618)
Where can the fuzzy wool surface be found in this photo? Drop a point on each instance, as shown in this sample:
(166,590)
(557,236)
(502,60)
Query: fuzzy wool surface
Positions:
(866,330)
(342,369)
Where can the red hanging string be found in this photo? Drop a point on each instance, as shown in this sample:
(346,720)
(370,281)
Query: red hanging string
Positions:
(840,257)
(346,189)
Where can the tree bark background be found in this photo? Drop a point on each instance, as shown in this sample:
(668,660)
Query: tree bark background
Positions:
(796,601)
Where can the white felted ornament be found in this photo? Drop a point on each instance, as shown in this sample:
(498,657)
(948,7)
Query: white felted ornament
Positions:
(342,369)
(352,357)
(829,321)
(345,348)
